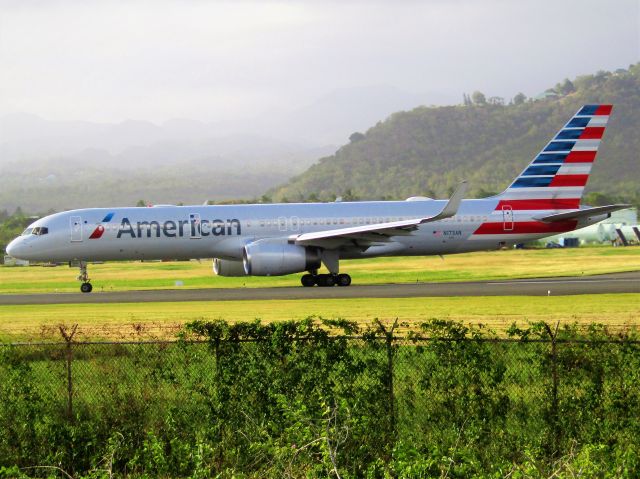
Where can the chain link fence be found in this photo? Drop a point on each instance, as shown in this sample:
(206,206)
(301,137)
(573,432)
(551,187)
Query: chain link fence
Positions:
(369,405)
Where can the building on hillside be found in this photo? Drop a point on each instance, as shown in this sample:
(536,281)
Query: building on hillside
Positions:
(547,95)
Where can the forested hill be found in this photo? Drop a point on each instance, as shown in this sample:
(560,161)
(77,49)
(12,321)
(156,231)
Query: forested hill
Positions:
(427,151)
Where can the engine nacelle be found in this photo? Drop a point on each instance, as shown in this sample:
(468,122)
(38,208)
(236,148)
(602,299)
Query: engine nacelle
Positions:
(227,267)
(276,257)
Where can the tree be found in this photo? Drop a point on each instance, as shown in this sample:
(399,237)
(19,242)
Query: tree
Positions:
(478,98)
(141,203)
(519,99)
(357,136)
(466,101)
(566,87)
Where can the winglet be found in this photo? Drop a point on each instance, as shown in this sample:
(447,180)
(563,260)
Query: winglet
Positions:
(451,208)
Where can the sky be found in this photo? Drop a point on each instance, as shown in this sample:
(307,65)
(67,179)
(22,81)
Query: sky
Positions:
(216,61)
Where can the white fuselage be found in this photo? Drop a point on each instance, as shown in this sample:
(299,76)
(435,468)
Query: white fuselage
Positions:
(183,232)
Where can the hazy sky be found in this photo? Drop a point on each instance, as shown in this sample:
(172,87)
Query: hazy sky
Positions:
(161,59)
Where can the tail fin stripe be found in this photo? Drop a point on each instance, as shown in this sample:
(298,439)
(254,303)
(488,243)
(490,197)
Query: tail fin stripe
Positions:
(541,170)
(575,169)
(588,110)
(591,110)
(598,121)
(579,122)
(581,157)
(550,158)
(544,193)
(573,134)
(604,110)
(581,145)
(560,146)
(569,180)
(541,204)
(533,181)
(592,133)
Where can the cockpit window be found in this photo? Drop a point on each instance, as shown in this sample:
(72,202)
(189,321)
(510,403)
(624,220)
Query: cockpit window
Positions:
(38,231)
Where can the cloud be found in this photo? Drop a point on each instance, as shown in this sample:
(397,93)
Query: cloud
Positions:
(218,60)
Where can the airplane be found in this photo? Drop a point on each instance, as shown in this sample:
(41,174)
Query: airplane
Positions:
(281,239)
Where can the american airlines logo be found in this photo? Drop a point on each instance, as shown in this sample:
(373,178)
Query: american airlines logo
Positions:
(99,231)
(193,228)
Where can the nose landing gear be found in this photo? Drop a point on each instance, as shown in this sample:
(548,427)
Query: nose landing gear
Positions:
(85,287)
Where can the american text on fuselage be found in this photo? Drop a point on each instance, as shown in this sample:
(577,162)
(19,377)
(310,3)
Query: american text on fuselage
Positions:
(193,227)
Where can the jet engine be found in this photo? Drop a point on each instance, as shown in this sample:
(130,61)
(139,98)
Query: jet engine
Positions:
(227,267)
(276,257)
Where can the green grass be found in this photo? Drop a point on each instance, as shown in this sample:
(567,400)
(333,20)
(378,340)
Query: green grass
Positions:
(121,276)
(136,320)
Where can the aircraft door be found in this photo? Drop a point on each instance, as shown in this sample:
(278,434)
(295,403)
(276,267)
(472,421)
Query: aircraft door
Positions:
(507,217)
(282,223)
(75,223)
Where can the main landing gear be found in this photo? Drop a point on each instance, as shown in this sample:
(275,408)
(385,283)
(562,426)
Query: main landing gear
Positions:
(325,280)
(85,287)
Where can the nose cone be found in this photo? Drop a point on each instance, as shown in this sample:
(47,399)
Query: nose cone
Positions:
(15,249)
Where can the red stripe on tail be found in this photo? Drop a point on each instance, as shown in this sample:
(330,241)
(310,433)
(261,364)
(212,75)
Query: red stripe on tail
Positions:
(569,180)
(604,110)
(592,133)
(581,157)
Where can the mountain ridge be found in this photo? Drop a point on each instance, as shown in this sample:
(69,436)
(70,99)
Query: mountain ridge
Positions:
(428,150)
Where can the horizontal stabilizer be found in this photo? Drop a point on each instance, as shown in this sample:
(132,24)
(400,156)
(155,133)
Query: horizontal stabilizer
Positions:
(574,215)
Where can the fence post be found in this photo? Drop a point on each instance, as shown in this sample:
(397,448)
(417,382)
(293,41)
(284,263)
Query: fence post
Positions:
(389,338)
(68,337)
(553,413)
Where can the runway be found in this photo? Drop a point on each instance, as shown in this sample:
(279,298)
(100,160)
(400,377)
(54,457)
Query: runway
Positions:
(600,284)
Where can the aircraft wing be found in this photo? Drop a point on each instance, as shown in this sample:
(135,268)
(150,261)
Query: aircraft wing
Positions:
(574,215)
(380,232)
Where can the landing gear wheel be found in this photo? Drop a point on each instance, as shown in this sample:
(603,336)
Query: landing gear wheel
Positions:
(326,280)
(85,287)
(343,280)
(308,280)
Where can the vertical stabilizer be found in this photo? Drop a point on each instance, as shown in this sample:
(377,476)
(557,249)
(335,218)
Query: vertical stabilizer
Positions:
(556,177)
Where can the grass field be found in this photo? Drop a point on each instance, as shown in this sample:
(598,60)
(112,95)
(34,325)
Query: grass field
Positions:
(464,267)
(162,320)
